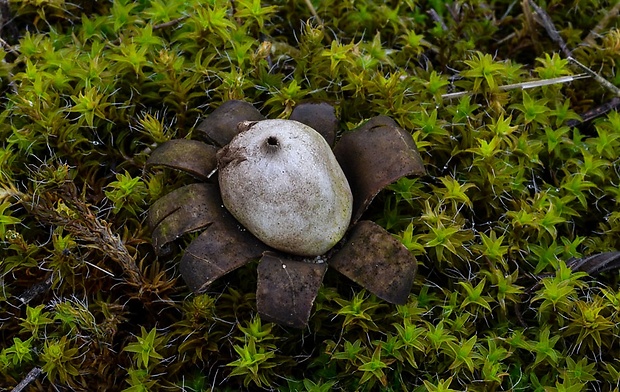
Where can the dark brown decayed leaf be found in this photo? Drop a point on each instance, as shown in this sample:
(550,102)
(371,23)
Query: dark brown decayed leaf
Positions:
(375,155)
(222,248)
(287,289)
(220,127)
(184,210)
(320,116)
(192,156)
(377,261)
(595,264)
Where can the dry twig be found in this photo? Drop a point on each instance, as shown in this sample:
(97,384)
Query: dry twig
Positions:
(30,377)
(547,23)
(83,224)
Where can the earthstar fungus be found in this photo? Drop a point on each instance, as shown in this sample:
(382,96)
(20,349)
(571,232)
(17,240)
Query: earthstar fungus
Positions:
(371,157)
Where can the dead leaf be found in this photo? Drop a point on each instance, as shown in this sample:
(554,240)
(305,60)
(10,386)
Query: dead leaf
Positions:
(287,289)
(320,116)
(222,248)
(220,127)
(374,156)
(374,259)
(184,210)
(191,156)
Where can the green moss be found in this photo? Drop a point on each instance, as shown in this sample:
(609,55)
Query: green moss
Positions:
(514,190)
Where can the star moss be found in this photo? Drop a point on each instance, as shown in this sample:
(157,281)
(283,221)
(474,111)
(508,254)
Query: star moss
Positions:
(514,226)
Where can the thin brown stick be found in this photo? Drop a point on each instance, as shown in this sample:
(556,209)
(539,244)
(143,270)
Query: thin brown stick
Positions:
(170,23)
(30,377)
(602,81)
(313,12)
(596,112)
(8,47)
(437,18)
(547,23)
(596,31)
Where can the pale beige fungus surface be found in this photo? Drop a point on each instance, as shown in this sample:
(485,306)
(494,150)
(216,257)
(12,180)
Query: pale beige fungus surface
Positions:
(281,181)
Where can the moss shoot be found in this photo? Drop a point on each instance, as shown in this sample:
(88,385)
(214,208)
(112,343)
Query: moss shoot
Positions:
(523,179)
